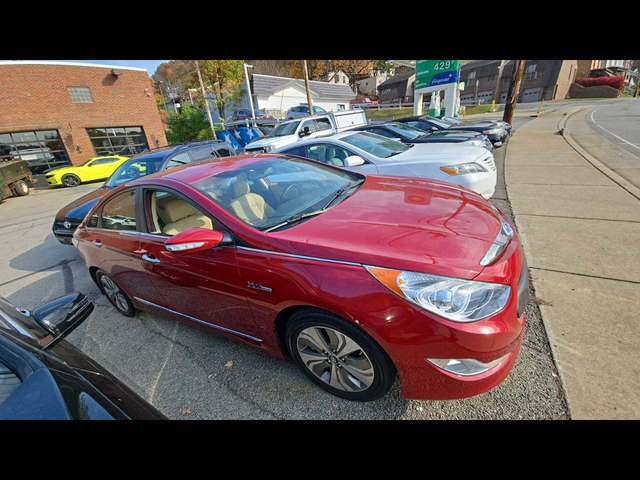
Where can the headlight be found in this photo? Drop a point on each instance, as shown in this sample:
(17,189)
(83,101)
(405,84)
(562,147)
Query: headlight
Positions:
(499,244)
(455,299)
(464,169)
(269,148)
(474,142)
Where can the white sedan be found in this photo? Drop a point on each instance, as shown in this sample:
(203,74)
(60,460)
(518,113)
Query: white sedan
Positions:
(471,167)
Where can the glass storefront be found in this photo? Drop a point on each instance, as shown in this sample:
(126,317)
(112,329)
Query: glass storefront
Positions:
(41,149)
(118,140)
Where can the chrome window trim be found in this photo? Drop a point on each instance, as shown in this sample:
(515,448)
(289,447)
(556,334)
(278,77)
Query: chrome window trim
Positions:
(228,330)
(305,257)
(19,328)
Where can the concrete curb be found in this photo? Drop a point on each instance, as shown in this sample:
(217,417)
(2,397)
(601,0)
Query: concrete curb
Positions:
(566,134)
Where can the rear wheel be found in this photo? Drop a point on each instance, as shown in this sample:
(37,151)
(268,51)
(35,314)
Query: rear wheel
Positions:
(338,356)
(71,180)
(115,294)
(21,188)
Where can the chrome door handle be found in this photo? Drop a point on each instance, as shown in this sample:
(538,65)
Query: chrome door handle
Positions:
(147,258)
(97,243)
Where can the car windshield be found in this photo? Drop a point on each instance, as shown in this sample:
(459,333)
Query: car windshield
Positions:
(259,112)
(437,121)
(285,129)
(278,190)
(407,131)
(450,120)
(134,168)
(376,144)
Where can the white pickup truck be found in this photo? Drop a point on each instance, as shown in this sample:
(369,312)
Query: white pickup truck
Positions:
(291,131)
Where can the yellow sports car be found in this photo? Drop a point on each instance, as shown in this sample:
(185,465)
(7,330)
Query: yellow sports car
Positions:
(96,168)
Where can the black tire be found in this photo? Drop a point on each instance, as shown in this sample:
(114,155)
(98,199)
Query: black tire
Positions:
(120,300)
(21,189)
(71,180)
(383,368)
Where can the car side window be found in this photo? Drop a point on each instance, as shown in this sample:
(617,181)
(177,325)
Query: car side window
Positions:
(323,124)
(119,212)
(328,153)
(179,160)
(204,153)
(102,161)
(299,151)
(224,151)
(311,124)
(169,214)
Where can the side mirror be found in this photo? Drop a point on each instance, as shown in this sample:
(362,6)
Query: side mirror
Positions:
(305,132)
(61,316)
(433,129)
(353,161)
(397,139)
(196,240)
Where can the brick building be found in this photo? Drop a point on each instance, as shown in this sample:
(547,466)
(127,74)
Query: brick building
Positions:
(542,79)
(398,89)
(60,113)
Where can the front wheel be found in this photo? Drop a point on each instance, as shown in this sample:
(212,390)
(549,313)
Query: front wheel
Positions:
(71,180)
(116,296)
(21,188)
(338,356)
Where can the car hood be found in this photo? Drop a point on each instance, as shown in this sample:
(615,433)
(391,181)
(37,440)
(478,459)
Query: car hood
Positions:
(447,134)
(475,125)
(440,153)
(276,141)
(79,208)
(403,223)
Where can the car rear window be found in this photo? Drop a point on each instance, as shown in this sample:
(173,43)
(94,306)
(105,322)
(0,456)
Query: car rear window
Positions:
(9,381)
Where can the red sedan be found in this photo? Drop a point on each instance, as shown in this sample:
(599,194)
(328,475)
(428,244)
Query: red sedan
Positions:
(358,278)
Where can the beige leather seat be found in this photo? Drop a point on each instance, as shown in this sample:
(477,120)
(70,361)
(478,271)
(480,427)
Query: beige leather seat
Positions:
(180,216)
(249,207)
(332,158)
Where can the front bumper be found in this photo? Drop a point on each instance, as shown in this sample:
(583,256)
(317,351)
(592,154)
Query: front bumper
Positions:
(53,180)
(412,340)
(62,233)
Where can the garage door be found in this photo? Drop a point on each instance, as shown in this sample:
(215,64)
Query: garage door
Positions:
(531,95)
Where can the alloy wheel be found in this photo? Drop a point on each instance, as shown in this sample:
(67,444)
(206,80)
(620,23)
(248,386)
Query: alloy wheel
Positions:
(114,294)
(71,181)
(335,359)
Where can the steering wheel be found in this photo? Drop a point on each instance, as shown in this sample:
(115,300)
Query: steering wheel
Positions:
(133,172)
(289,188)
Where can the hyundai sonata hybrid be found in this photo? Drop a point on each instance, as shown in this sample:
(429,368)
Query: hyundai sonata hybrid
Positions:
(358,278)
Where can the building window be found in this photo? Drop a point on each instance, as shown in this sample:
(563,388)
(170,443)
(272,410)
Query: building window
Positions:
(118,140)
(472,75)
(80,94)
(491,78)
(41,149)
(531,72)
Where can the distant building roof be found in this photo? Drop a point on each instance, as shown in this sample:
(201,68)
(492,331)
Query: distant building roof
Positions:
(267,85)
(397,78)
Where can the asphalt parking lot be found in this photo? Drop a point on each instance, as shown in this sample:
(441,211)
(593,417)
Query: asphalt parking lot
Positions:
(188,373)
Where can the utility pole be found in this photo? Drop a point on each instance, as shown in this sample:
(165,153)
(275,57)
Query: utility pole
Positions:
(246,77)
(204,97)
(514,90)
(637,86)
(496,92)
(306,84)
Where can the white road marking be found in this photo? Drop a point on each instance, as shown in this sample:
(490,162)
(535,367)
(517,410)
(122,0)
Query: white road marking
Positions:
(611,133)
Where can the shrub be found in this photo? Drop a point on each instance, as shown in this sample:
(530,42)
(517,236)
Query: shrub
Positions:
(613,82)
(189,125)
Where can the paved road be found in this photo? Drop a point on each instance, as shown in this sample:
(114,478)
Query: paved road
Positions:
(181,369)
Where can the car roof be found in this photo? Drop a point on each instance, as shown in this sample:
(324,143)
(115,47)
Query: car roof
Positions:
(197,171)
(161,152)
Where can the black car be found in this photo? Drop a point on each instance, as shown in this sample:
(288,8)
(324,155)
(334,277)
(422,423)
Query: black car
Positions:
(408,134)
(151,161)
(43,377)
(496,132)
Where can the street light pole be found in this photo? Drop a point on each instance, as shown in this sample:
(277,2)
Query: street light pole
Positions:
(306,84)
(204,97)
(246,77)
